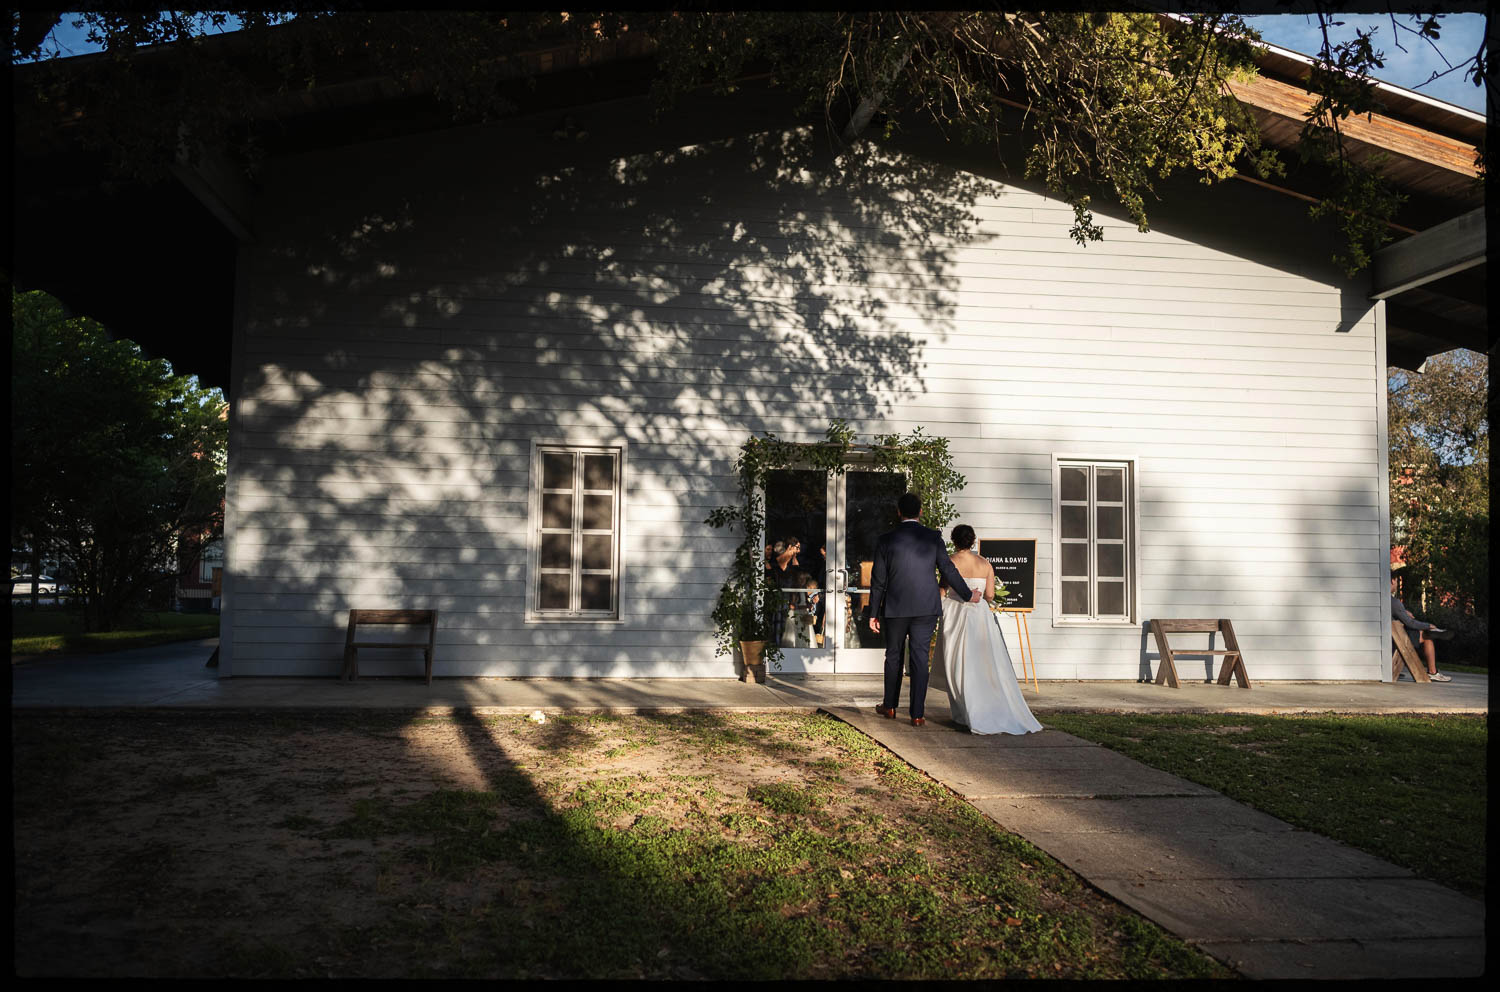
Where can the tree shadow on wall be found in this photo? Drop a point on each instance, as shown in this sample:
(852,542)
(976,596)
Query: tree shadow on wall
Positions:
(419,313)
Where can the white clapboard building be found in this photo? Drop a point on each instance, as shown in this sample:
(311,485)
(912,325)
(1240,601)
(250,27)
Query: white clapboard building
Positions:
(504,372)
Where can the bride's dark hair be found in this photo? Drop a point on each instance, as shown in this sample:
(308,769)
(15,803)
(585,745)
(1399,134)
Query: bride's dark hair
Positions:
(963,537)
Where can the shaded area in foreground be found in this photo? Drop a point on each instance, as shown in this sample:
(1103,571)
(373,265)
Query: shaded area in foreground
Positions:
(691,845)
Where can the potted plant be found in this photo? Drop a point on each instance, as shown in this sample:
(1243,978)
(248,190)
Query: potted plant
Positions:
(748,615)
(747,600)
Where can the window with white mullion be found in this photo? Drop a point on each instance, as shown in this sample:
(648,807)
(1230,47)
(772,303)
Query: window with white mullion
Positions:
(1094,541)
(555,588)
(598,558)
(1111,531)
(1075,530)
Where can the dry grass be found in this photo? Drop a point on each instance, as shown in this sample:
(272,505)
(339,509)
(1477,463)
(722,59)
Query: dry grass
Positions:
(690,846)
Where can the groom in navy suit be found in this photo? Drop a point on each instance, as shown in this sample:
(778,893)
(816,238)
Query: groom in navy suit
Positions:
(904,601)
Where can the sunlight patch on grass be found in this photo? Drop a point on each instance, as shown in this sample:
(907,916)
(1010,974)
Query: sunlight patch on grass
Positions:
(60,631)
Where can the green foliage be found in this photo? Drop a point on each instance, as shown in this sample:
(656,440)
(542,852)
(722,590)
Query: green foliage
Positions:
(1360,200)
(1105,103)
(1112,101)
(114,460)
(748,600)
(1363,204)
(1439,488)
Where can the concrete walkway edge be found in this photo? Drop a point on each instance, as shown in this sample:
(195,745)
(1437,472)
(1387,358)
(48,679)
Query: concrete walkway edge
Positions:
(1265,898)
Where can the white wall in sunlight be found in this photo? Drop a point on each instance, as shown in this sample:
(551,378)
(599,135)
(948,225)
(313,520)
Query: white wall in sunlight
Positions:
(420,312)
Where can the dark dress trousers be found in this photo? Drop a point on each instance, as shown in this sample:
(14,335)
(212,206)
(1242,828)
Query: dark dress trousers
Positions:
(904,596)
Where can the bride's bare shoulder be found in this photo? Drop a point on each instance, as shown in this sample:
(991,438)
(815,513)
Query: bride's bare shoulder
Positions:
(970,565)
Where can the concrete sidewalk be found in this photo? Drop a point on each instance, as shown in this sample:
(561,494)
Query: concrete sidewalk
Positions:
(174,675)
(1267,899)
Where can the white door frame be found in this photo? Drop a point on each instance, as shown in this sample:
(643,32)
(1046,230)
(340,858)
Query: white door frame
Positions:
(815,660)
(834,657)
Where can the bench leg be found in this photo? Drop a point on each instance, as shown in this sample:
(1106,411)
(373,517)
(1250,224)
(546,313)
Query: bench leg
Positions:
(429,666)
(1234,664)
(1406,654)
(351,664)
(1166,672)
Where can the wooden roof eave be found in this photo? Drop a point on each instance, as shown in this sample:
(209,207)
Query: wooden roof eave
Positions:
(1275,102)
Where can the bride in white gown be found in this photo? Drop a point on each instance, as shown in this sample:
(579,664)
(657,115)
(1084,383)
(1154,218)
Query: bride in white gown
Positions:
(982,685)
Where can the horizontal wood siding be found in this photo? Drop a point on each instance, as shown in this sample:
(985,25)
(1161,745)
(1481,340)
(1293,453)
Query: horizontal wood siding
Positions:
(417,312)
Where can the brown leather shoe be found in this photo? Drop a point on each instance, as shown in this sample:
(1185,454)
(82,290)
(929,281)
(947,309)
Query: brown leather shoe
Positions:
(918,721)
(891,713)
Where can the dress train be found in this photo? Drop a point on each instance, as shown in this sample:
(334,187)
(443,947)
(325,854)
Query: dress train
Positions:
(982,687)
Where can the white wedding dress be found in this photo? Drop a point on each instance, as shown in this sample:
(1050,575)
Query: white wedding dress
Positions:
(982,685)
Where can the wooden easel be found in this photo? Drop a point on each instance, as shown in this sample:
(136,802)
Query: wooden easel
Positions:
(1023,642)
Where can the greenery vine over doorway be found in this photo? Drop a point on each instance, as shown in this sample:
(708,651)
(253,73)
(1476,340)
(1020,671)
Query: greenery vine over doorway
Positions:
(747,600)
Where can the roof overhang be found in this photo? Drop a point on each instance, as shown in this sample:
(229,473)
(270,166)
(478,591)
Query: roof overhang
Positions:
(1433,282)
(1435,286)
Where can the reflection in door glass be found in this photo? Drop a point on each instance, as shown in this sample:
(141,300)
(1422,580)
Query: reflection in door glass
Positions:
(796,529)
(870,508)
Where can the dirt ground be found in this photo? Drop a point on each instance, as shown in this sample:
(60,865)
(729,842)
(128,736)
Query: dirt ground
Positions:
(311,845)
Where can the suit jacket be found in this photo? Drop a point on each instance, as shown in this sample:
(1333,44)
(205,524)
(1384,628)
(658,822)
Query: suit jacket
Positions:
(902,583)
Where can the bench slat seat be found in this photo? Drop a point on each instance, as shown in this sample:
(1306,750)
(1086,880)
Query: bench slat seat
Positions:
(358,618)
(1234,659)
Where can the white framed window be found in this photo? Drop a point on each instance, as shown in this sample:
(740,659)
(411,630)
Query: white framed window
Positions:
(576,529)
(1094,509)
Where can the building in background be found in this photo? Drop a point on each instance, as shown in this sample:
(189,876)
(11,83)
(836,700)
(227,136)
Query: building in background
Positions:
(504,372)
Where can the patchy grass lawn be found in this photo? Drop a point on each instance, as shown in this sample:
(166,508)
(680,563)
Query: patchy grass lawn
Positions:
(698,846)
(59,630)
(1410,789)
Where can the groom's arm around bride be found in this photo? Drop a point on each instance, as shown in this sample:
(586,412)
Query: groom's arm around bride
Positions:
(904,600)
(903,583)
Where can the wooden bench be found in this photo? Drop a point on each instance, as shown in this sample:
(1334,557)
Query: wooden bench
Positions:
(1234,661)
(362,618)
(1405,654)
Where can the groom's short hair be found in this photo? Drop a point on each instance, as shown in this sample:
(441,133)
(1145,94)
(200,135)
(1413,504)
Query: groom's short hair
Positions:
(909,505)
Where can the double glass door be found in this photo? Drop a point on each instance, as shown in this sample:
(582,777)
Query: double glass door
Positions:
(821,529)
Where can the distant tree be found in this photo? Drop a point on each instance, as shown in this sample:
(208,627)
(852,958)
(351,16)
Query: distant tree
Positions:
(112,456)
(1440,492)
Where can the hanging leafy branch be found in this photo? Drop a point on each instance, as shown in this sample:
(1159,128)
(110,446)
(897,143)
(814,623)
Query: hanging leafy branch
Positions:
(1111,102)
(748,601)
(1103,103)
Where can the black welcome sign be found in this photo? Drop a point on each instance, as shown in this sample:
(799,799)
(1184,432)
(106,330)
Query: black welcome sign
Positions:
(1015,568)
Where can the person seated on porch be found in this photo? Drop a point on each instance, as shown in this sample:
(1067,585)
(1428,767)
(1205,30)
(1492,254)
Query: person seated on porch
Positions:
(1421,634)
